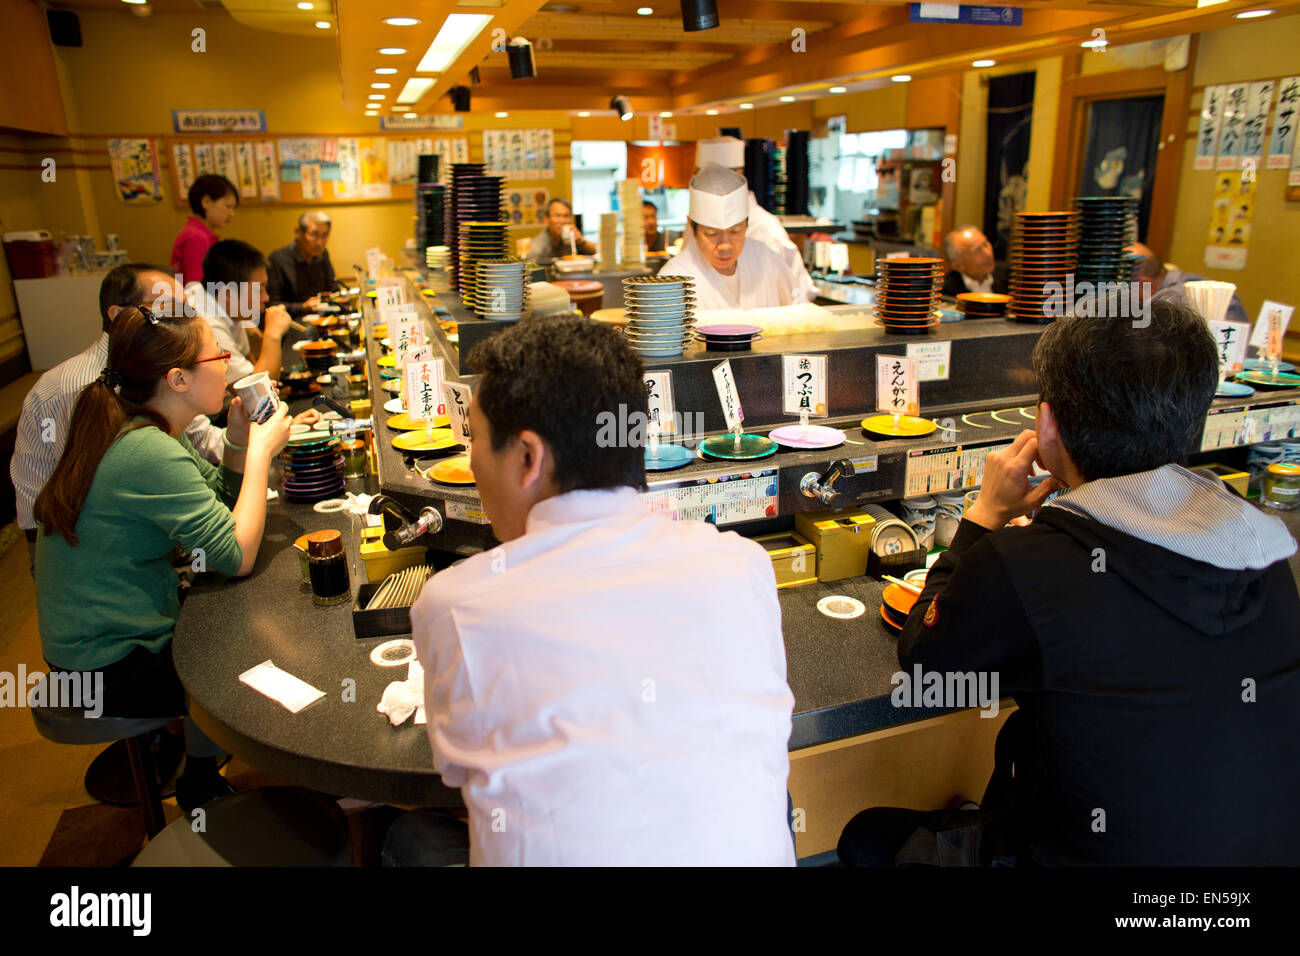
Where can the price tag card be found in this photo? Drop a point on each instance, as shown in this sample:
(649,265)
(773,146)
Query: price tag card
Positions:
(659,399)
(390,293)
(423,354)
(1259,337)
(726,384)
(933,360)
(408,335)
(458,399)
(803,380)
(897,391)
(1230,340)
(424,384)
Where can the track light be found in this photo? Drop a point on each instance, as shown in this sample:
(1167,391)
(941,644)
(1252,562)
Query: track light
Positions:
(622,106)
(699,15)
(519,52)
(474,78)
(459,98)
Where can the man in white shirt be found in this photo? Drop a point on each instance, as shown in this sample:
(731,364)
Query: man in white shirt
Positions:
(47,409)
(728,270)
(763,226)
(971,266)
(608,686)
(233,296)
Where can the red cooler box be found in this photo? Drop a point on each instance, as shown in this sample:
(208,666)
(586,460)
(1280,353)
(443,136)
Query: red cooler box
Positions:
(32,254)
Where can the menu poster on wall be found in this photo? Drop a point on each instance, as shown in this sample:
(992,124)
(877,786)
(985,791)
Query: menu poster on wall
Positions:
(546,154)
(1234,123)
(1258,100)
(1231,213)
(247,170)
(402,160)
(183,167)
(225,157)
(1282,142)
(294,153)
(268,179)
(526,207)
(135,170)
(1207,137)
(363,169)
(203,163)
(309,174)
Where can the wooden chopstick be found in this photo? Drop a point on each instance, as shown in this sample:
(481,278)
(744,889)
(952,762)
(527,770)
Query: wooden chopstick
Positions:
(906,585)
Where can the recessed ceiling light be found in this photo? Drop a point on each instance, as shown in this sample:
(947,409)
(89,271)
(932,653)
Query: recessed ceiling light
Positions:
(787,99)
(644,11)
(457,32)
(666,114)
(501,114)
(1252,14)
(372,112)
(402,21)
(979,64)
(304,6)
(381,86)
(1093,44)
(414,88)
(901,78)
(323,24)
(839,89)
(385,70)
(584,113)
(375,96)
(710,112)
(746,106)
(410,115)
(391,51)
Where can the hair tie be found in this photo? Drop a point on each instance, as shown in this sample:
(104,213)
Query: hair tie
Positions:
(111,377)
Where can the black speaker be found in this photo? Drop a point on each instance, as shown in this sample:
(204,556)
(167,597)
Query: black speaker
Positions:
(65,27)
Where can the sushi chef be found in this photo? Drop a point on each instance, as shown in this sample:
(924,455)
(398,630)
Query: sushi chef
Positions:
(730,272)
(763,226)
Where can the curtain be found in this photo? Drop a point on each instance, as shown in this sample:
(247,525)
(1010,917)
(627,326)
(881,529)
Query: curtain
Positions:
(1006,173)
(1123,139)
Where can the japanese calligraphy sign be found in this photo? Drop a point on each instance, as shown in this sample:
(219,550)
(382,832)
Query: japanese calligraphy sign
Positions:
(1259,99)
(425,399)
(389,294)
(659,400)
(247,168)
(1233,129)
(803,385)
(219,121)
(310,177)
(183,167)
(268,173)
(1230,339)
(458,398)
(1207,136)
(408,335)
(726,385)
(1259,336)
(1282,142)
(897,390)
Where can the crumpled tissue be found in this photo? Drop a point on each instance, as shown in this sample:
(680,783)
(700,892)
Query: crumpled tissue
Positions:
(402,698)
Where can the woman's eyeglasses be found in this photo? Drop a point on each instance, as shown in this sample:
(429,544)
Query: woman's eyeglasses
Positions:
(220,357)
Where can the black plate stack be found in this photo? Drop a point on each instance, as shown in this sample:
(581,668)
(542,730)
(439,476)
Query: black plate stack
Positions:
(1107,225)
(907,294)
(460,173)
(479,242)
(1044,249)
(311,467)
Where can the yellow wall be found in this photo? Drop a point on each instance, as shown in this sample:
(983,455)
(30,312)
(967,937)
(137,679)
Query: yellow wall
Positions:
(1251,51)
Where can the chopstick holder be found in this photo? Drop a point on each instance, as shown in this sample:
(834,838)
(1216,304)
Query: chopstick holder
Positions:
(281,686)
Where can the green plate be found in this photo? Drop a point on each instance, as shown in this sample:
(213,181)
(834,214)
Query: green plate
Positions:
(751,446)
(1269,380)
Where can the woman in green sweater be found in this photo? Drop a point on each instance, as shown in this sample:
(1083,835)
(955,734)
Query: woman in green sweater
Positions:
(129,490)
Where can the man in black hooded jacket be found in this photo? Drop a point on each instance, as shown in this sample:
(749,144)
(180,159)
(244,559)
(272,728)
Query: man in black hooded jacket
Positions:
(1146,622)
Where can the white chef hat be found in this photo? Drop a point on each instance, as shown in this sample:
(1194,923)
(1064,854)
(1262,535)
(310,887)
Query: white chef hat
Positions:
(724,150)
(719,197)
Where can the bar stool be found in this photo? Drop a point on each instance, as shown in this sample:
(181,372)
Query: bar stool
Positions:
(70,725)
(269,826)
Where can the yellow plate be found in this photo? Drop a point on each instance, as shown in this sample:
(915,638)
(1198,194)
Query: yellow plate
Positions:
(452,471)
(372,293)
(403,422)
(426,439)
(386,361)
(380,330)
(908,426)
(429,292)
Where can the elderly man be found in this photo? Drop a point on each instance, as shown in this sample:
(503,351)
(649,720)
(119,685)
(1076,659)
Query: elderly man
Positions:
(553,241)
(1166,282)
(301,271)
(730,272)
(763,226)
(970,263)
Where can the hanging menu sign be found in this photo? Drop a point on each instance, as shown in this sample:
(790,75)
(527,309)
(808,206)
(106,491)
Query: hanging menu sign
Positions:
(1207,137)
(1234,123)
(1282,142)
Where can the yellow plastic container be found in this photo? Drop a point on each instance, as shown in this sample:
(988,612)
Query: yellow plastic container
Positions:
(842,541)
(793,559)
(380,562)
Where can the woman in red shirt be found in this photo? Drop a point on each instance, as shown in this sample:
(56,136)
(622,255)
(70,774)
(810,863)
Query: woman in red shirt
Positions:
(213,200)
